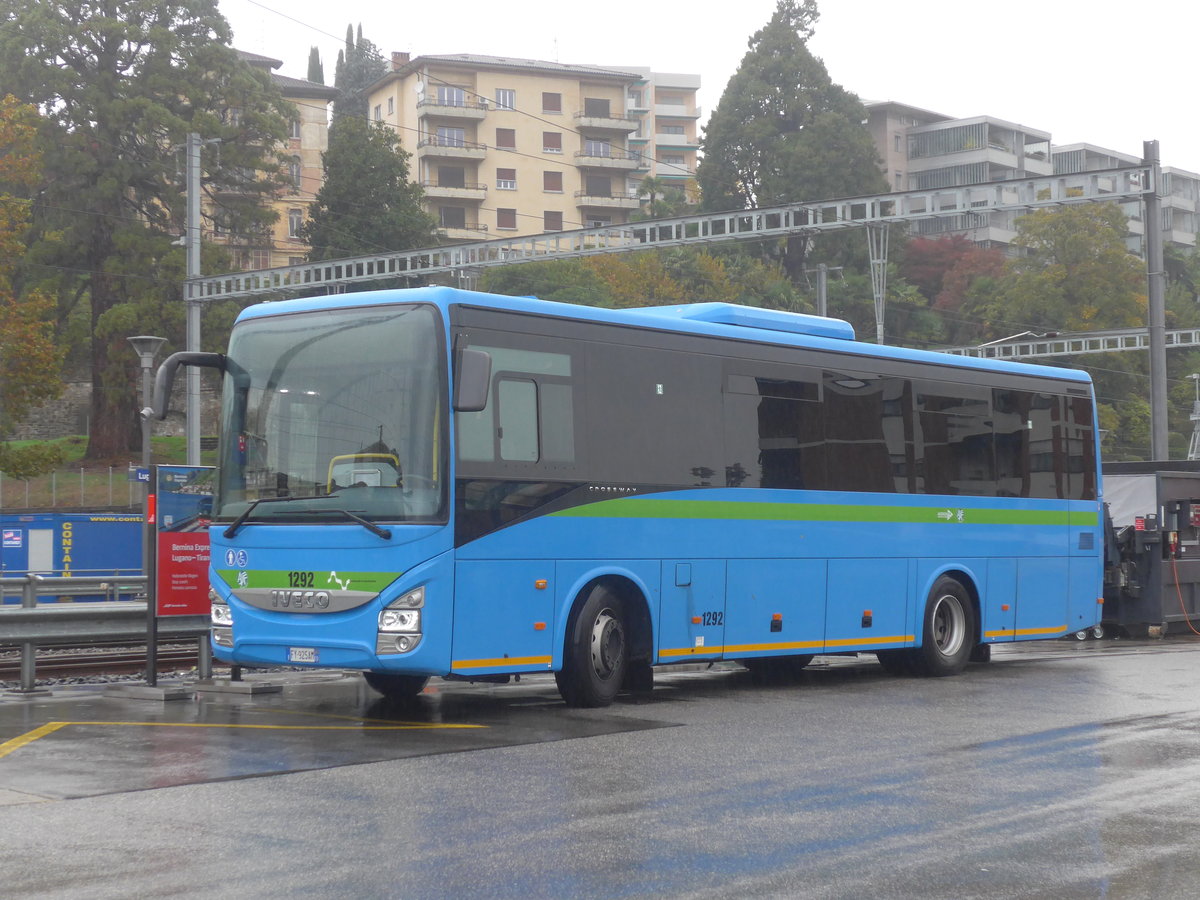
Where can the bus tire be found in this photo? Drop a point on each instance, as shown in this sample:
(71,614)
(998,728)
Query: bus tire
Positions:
(394,686)
(949,630)
(596,653)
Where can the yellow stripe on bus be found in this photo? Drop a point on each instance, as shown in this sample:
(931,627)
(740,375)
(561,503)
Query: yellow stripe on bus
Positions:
(504,661)
(1025,632)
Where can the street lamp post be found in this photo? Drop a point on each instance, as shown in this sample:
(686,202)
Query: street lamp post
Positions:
(147,346)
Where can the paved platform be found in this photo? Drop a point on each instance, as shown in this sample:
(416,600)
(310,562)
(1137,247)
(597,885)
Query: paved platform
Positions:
(89,740)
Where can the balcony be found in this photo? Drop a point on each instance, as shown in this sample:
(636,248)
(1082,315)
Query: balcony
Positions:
(469,231)
(676,112)
(606,122)
(622,160)
(606,201)
(472,108)
(477,192)
(452,148)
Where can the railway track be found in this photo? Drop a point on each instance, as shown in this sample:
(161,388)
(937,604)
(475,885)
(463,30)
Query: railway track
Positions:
(97,659)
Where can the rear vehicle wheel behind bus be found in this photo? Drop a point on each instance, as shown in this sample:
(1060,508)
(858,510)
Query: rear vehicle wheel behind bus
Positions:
(776,669)
(394,686)
(597,651)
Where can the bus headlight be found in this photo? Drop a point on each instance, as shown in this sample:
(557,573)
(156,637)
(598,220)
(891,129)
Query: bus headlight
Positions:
(400,623)
(221,614)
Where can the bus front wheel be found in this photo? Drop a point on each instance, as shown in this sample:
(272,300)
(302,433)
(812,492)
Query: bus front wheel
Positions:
(396,687)
(596,653)
(949,630)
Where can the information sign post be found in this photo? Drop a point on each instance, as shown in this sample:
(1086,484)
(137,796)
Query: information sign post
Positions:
(181,509)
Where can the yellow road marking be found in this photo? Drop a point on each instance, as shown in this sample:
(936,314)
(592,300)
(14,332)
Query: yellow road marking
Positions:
(49,728)
(29,737)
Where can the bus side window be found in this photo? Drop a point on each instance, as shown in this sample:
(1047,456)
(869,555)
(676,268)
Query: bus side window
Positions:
(518,428)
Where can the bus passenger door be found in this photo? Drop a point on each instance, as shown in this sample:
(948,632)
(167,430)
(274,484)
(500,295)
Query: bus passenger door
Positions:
(691,622)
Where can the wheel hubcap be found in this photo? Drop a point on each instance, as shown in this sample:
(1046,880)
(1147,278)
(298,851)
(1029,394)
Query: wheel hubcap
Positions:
(949,624)
(608,643)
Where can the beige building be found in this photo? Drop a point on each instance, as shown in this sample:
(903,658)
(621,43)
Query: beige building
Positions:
(308,138)
(509,147)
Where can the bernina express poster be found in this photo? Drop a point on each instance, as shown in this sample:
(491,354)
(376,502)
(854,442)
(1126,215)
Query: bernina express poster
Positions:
(183,498)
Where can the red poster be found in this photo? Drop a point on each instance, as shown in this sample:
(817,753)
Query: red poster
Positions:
(181,506)
(182,583)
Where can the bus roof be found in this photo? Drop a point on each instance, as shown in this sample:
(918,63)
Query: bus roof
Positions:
(725,320)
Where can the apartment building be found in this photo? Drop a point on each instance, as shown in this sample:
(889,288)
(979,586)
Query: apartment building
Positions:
(308,138)
(924,150)
(664,106)
(509,147)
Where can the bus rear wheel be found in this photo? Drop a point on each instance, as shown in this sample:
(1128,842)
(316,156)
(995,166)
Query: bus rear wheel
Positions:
(949,630)
(394,686)
(596,653)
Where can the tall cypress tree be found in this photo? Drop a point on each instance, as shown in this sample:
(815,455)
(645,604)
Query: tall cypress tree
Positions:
(359,66)
(316,71)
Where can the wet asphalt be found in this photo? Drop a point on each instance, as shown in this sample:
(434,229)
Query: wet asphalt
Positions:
(1058,770)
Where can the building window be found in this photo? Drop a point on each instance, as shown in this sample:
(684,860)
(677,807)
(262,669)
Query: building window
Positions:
(260,258)
(896,143)
(451,137)
(898,181)
(552,142)
(295,222)
(294,171)
(593,147)
(452,216)
(599,221)
(448,95)
(452,177)
(552,182)
(295,126)
(506,98)
(506,138)
(551,103)
(506,179)
(596,108)
(378,113)
(391,106)
(506,218)
(635,98)
(671,129)
(672,159)
(552,221)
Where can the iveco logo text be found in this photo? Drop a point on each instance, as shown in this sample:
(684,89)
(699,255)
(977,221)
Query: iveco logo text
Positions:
(281,599)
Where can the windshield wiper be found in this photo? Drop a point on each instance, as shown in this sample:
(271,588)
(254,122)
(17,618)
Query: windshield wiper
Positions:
(245,514)
(384,533)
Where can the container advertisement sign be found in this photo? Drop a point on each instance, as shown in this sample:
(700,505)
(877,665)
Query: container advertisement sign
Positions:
(183,508)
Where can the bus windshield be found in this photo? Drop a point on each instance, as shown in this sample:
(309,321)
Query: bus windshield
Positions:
(335,411)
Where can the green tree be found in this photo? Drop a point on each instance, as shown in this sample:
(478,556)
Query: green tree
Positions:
(663,198)
(316,71)
(120,85)
(783,131)
(562,280)
(366,203)
(359,66)
(1076,275)
(29,358)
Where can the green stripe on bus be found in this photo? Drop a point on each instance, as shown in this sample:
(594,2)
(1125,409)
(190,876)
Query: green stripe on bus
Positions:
(654,508)
(322,579)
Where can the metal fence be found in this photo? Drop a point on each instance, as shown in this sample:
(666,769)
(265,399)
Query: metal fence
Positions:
(33,624)
(87,488)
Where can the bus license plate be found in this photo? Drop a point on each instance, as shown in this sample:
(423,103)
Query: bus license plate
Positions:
(302,654)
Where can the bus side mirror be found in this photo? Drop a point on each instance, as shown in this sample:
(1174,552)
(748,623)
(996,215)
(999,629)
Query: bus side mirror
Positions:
(472,379)
(165,378)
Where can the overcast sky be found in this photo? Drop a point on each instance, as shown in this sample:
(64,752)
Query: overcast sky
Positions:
(1110,73)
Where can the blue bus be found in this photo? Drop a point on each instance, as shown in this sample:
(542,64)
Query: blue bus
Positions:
(435,482)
